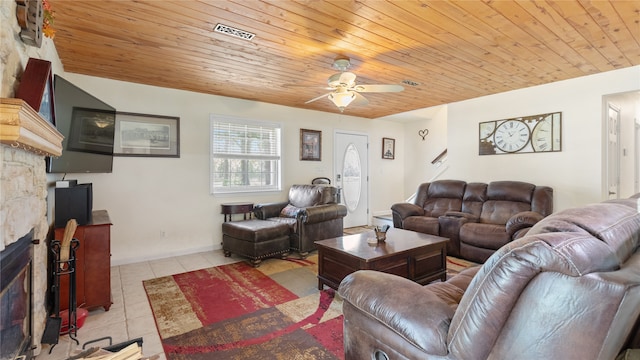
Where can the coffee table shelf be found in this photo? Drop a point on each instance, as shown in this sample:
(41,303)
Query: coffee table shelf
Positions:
(415,256)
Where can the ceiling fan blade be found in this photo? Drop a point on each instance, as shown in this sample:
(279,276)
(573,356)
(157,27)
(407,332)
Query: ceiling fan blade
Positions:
(378,88)
(318,98)
(359,99)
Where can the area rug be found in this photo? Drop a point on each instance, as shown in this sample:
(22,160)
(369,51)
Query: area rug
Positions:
(236,311)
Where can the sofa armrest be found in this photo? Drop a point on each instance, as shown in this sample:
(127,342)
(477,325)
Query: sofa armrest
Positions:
(402,211)
(265,211)
(321,213)
(522,220)
(402,306)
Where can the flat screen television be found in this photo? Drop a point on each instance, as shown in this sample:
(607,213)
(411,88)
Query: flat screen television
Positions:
(88,126)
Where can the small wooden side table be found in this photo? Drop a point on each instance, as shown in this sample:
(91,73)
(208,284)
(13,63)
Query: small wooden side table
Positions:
(229,209)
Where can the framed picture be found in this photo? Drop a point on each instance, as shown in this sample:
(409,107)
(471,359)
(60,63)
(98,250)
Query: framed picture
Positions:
(388,148)
(146,135)
(310,145)
(92,131)
(36,88)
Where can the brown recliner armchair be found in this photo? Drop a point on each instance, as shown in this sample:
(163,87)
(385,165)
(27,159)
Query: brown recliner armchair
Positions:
(311,212)
(568,289)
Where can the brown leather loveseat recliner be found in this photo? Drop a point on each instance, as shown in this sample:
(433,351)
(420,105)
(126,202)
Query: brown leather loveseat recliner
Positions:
(568,289)
(477,218)
(312,213)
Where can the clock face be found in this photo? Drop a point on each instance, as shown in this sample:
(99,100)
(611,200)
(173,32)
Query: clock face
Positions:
(486,129)
(542,136)
(511,136)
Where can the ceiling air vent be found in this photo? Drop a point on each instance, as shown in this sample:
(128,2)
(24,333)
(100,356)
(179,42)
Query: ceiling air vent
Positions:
(228,30)
(410,83)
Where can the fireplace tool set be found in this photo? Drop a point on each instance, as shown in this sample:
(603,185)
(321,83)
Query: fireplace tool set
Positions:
(63,263)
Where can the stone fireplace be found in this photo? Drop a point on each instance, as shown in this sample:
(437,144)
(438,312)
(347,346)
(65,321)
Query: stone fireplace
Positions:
(26,139)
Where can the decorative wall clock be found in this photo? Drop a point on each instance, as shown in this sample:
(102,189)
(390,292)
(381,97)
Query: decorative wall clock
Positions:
(536,133)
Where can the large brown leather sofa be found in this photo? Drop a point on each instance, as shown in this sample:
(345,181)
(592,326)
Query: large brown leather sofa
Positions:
(311,212)
(477,218)
(568,289)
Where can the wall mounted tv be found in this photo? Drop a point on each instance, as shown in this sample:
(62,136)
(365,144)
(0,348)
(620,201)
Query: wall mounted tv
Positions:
(88,126)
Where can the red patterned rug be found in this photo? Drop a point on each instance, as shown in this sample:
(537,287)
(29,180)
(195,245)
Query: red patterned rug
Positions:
(240,312)
(236,311)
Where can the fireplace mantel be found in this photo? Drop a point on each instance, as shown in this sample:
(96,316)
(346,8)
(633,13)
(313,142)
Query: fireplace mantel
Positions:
(23,127)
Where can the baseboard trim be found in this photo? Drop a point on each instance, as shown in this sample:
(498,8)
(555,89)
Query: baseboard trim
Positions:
(164,256)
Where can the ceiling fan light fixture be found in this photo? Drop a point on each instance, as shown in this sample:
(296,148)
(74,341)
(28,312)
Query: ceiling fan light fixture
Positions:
(341,64)
(343,79)
(342,99)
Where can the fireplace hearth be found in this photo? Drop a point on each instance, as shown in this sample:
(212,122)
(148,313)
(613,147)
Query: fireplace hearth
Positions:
(16,299)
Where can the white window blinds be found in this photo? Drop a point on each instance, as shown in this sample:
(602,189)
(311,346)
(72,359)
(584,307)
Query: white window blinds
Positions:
(245,155)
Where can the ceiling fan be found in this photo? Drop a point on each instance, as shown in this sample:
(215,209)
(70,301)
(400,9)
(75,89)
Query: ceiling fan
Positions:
(345,90)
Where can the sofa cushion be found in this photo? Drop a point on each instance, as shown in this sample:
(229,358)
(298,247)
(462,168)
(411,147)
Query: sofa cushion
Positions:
(475,194)
(510,191)
(254,230)
(486,236)
(290,222)
(303,196)
(441,196)
(499,211)
(451,291)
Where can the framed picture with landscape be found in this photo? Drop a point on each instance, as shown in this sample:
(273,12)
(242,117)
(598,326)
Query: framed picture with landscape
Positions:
(146,135)
(388,148)
(310,145)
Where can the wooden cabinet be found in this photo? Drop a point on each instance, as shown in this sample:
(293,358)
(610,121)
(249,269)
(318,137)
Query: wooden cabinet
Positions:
(93,264)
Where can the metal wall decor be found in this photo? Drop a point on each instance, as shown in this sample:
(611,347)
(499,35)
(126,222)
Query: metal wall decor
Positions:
(423,133)
(536,133)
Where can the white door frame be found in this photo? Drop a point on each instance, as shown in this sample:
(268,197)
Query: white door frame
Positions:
(612,135)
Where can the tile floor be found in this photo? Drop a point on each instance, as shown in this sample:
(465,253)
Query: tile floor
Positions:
(130,315)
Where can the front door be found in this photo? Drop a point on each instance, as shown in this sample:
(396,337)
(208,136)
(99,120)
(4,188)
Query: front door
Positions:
(352,176)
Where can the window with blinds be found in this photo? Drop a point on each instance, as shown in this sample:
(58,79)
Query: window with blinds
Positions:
(245,155)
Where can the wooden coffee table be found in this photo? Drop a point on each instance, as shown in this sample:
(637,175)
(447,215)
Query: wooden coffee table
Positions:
(415,256)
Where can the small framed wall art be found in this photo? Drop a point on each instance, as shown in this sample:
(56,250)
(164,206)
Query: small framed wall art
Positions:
(310,145)
(528,134)
(388,148)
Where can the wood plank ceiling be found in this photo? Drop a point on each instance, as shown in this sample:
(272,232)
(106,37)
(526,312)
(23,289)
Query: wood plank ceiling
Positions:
(450,50)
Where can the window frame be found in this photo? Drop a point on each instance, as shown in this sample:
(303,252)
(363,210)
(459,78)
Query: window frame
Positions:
(277,157)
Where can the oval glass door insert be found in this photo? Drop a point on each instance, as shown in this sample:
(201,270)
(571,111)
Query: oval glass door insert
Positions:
(351,177)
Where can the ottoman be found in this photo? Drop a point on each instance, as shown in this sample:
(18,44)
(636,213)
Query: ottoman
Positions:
(255,239)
